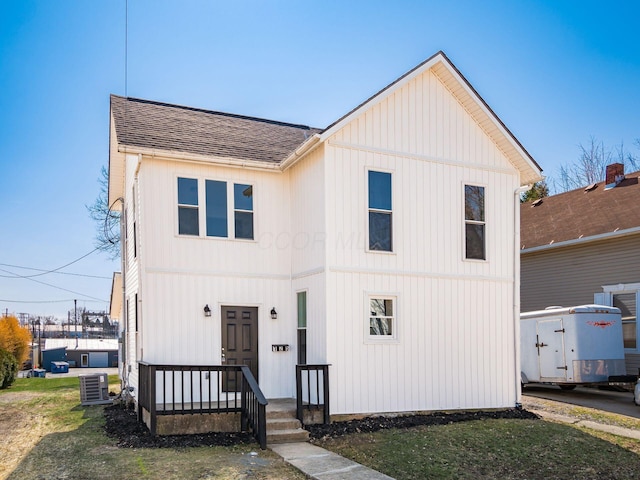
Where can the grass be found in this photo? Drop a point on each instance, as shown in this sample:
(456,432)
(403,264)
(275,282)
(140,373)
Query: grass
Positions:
(493,449)
(47,434)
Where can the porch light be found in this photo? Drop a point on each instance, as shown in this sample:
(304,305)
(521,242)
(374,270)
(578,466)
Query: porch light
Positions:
(207,310)
(274,314)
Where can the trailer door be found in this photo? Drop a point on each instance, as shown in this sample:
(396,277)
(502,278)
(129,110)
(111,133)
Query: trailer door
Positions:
(550,344)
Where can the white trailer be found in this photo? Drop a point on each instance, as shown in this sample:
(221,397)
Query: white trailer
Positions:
(572,346)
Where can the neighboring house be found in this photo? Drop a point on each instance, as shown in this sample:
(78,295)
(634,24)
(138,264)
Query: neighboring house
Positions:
(86,352)
(383,245)
(582,247)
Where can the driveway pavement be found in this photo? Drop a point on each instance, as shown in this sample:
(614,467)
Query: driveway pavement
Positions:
(609,401)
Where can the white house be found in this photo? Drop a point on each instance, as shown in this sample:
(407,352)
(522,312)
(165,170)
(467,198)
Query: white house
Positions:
(385,245)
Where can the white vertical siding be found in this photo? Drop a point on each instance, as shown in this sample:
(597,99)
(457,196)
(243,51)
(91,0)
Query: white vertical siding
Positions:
(132,271)
(455,345)
(181,274)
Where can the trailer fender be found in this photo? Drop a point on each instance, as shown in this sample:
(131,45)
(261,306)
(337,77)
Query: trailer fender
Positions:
(523,378)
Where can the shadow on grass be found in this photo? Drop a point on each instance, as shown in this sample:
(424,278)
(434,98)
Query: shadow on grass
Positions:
(84,451)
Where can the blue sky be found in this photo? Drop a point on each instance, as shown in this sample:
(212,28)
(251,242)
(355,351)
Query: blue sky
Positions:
(556,73)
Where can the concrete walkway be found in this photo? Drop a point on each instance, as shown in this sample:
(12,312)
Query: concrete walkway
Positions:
(613,429)
(321,464)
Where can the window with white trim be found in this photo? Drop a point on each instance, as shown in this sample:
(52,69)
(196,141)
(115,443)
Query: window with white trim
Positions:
(216,208)
(382,319)
(226,214)
(188,222)
(627,303)
(474,223)
(624,296)
(243,210)
(380,211)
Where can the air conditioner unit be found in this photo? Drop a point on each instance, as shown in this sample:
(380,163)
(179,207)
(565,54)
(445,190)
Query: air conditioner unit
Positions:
(94,389)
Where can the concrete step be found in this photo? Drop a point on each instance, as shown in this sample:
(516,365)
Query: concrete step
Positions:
(274,424)
(281,414)
(287,436)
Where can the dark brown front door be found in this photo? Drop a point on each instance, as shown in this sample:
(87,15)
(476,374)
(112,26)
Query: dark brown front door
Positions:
(239,342)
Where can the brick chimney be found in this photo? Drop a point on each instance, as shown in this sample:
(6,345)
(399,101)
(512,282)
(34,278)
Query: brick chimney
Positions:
(614,175)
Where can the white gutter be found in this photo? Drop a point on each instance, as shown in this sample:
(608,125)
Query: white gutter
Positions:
(583,240)
(194,157)
(516,289)
(310,144)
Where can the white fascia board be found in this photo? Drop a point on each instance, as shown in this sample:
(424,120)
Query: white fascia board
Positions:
(192,157)
(583,240)
(307,146)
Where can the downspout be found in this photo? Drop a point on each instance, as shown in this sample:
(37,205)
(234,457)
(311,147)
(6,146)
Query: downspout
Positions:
(516,290)
(124,378)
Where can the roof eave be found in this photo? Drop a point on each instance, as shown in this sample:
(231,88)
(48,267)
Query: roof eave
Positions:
(198,158)
(582,241)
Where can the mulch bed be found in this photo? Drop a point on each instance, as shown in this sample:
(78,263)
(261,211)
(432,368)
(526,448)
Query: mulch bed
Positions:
(122,424)
(373,424)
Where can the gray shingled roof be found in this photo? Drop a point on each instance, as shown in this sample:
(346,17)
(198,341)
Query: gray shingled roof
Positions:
(161,126)
(581,213)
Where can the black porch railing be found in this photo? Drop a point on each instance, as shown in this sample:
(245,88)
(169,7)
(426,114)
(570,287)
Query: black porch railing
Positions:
(312,390)
(197,389)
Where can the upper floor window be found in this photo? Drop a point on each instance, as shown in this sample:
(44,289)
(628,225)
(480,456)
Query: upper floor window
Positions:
(216,193)
(380,221)
(243,210)
(188,206)
(474,219)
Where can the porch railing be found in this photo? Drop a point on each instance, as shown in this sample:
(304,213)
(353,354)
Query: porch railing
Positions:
(197,389)
(312,390)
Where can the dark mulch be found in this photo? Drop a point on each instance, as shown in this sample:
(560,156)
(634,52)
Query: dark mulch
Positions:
(373,424)
(122,424)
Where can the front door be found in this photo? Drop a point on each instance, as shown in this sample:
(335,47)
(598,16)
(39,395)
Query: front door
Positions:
(239,342)
(551,350)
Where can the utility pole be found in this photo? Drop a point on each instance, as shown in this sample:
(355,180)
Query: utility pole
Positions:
(75,319)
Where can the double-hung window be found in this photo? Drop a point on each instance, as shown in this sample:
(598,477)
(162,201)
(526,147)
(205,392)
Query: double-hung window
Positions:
(382,320)
(380,212)
(216,193)
(243,210)
(475,226)
(188,223)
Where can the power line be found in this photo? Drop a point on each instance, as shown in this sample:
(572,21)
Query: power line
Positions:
(53,286)
(48,271)
(50,301)
(45,272)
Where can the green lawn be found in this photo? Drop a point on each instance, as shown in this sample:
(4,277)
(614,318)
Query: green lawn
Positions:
(47,434)
(492,449)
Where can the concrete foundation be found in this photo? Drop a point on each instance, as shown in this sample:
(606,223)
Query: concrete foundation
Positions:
(188,424)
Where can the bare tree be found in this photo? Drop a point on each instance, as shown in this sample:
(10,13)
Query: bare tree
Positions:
(107,220)
(591,165)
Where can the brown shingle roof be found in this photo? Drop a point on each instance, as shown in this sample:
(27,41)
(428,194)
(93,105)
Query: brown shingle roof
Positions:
(581,214)
(161,126)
